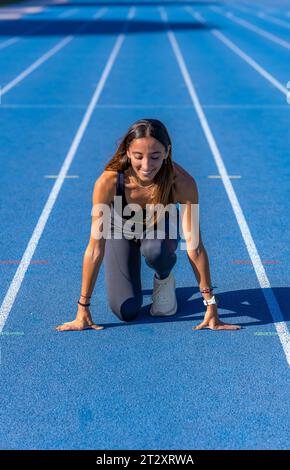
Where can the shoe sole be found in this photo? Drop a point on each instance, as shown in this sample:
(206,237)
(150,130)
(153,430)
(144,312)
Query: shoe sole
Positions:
(167,314)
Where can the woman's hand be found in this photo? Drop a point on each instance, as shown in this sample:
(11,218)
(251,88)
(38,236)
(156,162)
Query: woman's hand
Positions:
(83,321)
(211,321)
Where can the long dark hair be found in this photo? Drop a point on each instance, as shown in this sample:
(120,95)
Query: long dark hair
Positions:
(162,192)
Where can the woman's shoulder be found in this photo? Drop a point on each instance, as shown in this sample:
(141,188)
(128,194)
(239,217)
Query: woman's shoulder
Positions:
(106,184)
(184,185)
(107,177)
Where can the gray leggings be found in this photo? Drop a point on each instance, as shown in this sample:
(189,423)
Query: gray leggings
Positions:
(122,270)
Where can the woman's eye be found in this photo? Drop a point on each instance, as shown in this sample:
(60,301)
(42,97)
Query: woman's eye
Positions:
(153,158)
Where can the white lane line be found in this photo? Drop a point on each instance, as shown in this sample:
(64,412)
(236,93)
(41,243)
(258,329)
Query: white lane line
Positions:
(36,64)
(40,226)
(13,40)
(241,8)
(41,27)
(247,106)
(242,54)
(246,24)
(60,45)
(271,19)
(266,8)
(9,42)
(142,106)
(82,106)
(26,12)
(263,15)
(56,176)
(233,177)
(66,14)
(279,323)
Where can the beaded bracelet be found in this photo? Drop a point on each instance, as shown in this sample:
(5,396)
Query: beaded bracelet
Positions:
(206,290)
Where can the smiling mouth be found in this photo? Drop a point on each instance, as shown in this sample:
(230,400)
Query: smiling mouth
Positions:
(146,173)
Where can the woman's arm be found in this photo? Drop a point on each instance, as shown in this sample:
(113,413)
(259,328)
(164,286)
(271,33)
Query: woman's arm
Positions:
(200,265)
(196,252)
(103,194)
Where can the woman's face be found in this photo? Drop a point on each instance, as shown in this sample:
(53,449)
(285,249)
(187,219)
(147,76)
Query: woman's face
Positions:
(146,155)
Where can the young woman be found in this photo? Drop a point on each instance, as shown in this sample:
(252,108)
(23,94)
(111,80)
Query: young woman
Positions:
(142,172)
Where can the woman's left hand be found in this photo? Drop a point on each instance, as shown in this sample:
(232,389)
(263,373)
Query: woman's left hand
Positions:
(211,321)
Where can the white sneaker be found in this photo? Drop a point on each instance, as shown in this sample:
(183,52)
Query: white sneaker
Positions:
(164,298)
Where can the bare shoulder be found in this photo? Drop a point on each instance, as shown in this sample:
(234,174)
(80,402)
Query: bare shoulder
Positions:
(105,187)
(184,185)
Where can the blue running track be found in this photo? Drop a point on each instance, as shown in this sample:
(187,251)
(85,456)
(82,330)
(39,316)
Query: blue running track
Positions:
(74,76)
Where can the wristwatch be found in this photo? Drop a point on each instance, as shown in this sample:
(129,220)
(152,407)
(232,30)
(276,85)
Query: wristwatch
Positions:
(212,301)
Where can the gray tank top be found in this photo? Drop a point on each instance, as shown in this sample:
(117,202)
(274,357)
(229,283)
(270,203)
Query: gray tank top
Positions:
(118,218)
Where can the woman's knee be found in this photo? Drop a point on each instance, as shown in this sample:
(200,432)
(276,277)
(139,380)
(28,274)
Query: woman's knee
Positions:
(158,251)
(128,310)
(152,250)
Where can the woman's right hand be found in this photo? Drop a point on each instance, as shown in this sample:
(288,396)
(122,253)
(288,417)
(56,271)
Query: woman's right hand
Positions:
(83,321)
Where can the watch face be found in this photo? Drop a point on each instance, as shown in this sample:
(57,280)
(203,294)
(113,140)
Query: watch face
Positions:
(211,301)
